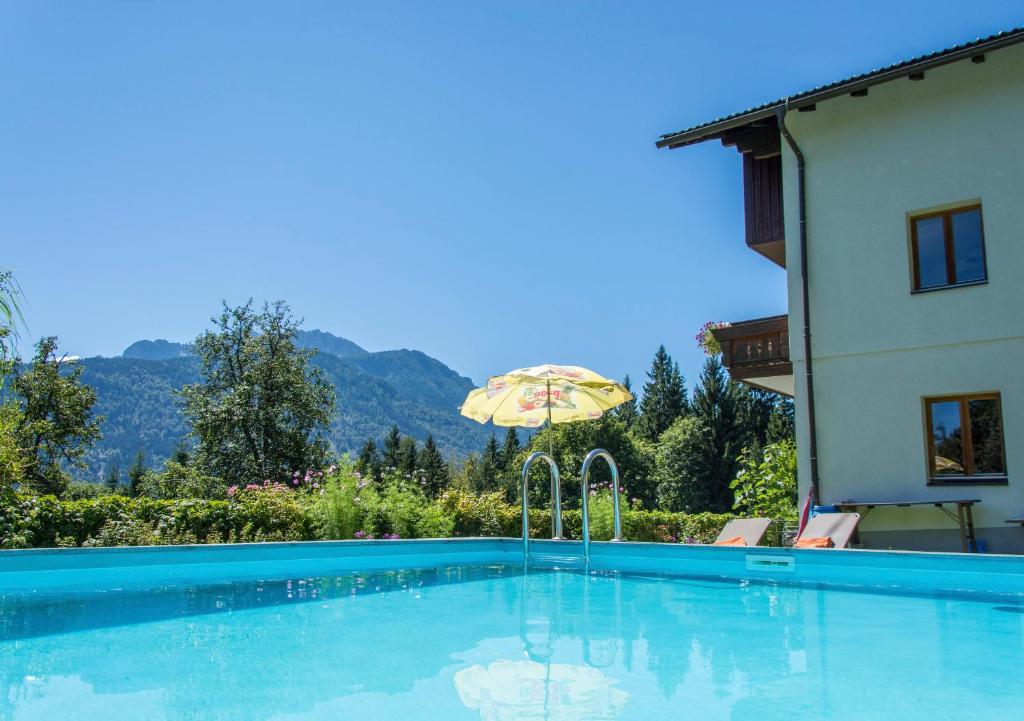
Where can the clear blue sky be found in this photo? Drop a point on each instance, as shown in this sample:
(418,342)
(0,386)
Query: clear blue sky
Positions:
(477,180)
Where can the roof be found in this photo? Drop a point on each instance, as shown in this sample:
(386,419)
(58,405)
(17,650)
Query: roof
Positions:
(711,129)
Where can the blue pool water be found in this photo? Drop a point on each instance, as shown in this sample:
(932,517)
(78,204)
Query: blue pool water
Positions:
(488,641)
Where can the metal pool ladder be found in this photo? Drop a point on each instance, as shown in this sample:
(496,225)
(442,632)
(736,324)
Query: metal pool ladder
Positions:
(556,499)
(584,477)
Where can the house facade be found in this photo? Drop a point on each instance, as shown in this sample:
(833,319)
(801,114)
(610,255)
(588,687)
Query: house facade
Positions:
(895,201)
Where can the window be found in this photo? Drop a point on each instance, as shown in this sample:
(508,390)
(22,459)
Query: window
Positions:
(948,248)
(965,438)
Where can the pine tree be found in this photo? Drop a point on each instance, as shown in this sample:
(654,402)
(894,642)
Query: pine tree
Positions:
(717,406)
(136,473)
(781,424)
(486,471)
(509,450)
(392,445)
(431,464)
(368,462)
(407,456)
(627,412)
(114,477)
(756,409)
(181,456)
(664,396)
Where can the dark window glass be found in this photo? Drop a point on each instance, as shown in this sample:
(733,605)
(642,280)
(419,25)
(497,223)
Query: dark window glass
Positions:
(986,436)
(967,248)
(965,435)
(947,438)
(948,248)
(931,252)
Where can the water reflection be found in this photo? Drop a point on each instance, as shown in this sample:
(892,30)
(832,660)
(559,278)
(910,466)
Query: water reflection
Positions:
(518,690)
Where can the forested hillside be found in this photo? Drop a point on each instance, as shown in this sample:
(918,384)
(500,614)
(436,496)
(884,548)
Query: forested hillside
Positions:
(135,395)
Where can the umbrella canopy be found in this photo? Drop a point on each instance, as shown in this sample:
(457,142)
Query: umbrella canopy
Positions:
(554,393)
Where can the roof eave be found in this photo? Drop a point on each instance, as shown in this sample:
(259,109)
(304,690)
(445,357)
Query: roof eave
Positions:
(712,130)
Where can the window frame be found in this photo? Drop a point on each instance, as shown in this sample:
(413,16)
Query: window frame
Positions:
(946,213)
(969,477)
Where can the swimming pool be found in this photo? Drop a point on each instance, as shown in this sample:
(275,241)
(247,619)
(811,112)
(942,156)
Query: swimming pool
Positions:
(457,630)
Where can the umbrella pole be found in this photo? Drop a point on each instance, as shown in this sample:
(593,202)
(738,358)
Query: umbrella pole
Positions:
(556,506)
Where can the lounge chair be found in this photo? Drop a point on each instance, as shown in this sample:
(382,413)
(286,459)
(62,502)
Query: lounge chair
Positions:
(743,532)
(828,530)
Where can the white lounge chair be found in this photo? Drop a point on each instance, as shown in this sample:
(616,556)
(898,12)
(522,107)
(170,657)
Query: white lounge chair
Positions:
(828,530)
(743,532)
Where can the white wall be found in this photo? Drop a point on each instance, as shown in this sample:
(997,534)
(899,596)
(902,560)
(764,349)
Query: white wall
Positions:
(958,135)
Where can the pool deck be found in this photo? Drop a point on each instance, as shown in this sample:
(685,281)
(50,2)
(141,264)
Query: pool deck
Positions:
(54,570)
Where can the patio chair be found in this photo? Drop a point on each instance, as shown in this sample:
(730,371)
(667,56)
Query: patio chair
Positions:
(743,532)
(828,530)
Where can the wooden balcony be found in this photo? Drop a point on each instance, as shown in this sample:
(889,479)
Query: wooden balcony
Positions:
(757,352)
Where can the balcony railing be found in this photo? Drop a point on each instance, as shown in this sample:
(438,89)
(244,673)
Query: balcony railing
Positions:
(756,349)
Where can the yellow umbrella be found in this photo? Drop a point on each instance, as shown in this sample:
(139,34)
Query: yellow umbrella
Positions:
(553,393)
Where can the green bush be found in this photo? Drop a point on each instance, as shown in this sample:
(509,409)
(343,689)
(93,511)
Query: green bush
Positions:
(766,484)
(176,480)
(340,506)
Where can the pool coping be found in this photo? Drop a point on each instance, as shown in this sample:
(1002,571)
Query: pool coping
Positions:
(55,568)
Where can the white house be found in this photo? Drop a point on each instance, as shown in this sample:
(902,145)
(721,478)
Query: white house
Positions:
(895,201)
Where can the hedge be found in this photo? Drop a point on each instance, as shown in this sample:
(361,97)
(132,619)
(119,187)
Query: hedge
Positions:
(44,521)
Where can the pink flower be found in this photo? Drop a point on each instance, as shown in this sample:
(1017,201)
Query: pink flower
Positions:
(232,490)
(360,534)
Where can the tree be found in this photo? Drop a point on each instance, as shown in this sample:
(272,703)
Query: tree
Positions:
(782,425)
(572,442)
(113,479)
(509,450)
(11,460)
(717,405)
(136,474)
(432,467)
(486,470)
(755,408)
(628,412)
(680,467)
(10,315)
(664,396)
(56,425)
(177,481)
(407,456)
(260,411)
(368,462)
(181,456)
(392,445)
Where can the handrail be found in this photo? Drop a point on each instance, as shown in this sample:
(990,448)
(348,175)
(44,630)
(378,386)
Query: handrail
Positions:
(584,476)
(556,499)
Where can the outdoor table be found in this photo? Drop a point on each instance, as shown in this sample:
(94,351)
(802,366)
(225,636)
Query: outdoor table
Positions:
(964,517)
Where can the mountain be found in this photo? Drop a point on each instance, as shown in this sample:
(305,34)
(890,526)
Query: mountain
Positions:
(158,349)
(328,343)
(136,395)
(161,349)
